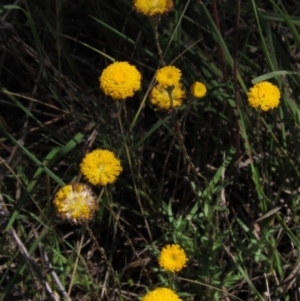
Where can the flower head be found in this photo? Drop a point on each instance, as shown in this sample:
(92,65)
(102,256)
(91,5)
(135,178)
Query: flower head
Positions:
(76,202)
(161,294)
(198,89)
(172,258)
(101,167)
(160,97)
(120,80)
(153,7)
(168,76)
(264,95)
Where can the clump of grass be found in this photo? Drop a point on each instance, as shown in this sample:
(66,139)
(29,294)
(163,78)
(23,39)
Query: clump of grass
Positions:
(212,174)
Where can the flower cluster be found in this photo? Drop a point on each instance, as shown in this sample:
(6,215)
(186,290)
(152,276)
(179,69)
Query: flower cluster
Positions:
(264,96)
(152,8)
(120,80)
(101,167)
(168,93)
(161,294)
(172,258)
(76,203)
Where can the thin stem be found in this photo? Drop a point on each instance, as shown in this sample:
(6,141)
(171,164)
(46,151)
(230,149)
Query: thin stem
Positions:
(154,21)
(187,159)
(180,139)
(140,261)
(127,150)
(102,252)
(75,264)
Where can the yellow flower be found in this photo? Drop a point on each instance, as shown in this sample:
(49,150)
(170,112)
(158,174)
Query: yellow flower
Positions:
(153,7)
(120,80)
(264,95)
(76,202)
(161,294)
(101,167)
(160,97)
(168,76)
(198,89)
(172,258)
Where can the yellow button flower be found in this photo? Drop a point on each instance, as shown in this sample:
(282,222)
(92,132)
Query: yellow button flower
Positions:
(264,96)
(160,97)
(198,89)
(76,202)
(101,167)
(153,7)
(168,76)
(120,80)
(161,294)
(172,258)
